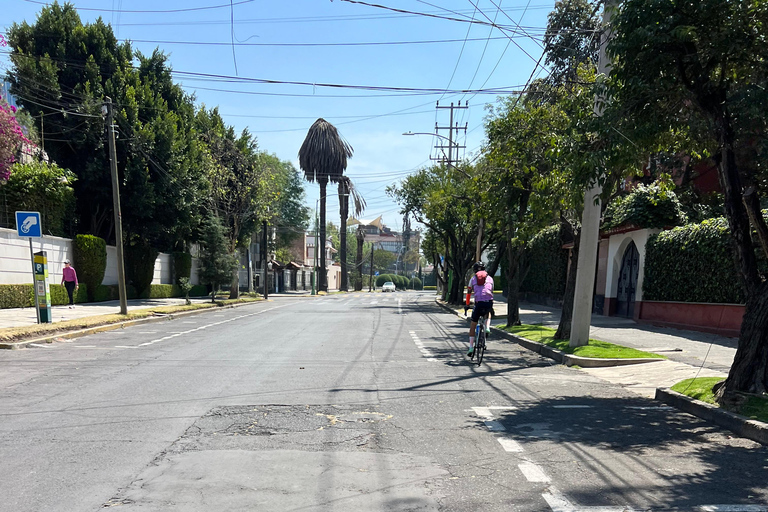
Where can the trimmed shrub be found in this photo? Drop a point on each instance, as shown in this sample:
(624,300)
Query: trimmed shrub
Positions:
(430,287)
(182,265)
(415,284)
(692,263)
(90,261)
(164,291)
(16,296)
(401,282)
(549,264)
(140,265)
(104,293)
(59,295)
(383,278)
(646,207)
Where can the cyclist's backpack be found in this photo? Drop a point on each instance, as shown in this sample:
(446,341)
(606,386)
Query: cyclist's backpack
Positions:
(480,276)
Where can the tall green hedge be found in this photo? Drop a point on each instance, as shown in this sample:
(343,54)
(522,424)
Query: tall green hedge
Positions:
(549,264)
(140,265)
(649,206)
(692,263)
(90,261)
(415,284)
(182,265)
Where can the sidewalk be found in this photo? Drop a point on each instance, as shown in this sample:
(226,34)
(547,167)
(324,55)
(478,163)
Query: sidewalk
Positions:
(20,317)
(690,353)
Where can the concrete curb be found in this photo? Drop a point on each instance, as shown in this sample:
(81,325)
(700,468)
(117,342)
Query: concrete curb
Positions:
(740,425)
(50,338)
(557,355)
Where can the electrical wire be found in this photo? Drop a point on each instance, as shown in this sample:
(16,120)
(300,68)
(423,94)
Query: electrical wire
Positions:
(310,45)
(188,9)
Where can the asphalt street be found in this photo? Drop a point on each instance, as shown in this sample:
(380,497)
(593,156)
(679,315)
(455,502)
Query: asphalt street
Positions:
(345,402)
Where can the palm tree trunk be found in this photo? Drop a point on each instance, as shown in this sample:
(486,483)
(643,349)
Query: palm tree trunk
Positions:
(322,275)
(359,259)
(344,209)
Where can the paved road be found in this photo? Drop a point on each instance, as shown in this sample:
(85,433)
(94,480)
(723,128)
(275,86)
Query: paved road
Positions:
(344,402)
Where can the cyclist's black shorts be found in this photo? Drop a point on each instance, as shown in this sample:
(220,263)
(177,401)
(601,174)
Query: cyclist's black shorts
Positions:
(481,308)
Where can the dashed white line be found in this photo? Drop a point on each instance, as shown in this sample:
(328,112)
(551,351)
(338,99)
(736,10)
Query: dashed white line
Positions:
(510,445)
(533,473)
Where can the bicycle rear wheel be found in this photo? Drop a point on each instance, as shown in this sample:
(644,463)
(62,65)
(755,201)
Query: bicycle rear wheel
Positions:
(480,345)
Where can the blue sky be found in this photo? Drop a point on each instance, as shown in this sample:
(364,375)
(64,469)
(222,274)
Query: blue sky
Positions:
(319,42)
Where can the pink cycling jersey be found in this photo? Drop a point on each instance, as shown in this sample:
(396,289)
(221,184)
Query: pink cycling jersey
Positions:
(482,293)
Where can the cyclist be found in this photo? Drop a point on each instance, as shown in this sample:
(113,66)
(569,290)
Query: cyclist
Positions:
(481,285)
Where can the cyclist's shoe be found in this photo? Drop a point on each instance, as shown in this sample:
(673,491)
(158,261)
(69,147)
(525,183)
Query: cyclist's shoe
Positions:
(471,352)
(487,331)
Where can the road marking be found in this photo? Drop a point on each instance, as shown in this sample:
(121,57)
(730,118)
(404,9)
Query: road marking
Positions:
(510,445)
(39,345)
(483,412)
(494,426)
(533,473)
(400,306)
(126,346)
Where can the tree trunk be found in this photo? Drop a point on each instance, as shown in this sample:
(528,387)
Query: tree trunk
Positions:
(748,373)
(564,328)
(322,274)
(344,207)
(359,260)
(234,289)
(515,275)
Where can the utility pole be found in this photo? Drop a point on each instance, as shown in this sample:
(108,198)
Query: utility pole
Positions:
(590,220)
(116,207)
(451,129)
(265,255)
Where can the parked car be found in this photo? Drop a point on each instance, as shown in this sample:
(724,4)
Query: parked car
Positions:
(389,286)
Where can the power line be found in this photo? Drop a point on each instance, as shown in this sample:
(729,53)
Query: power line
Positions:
(309,45)
(188,9)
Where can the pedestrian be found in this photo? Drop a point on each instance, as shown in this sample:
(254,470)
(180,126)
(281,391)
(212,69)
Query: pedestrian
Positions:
(69,280)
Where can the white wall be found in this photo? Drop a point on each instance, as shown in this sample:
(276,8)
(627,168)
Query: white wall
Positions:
(617,245)
(16,263)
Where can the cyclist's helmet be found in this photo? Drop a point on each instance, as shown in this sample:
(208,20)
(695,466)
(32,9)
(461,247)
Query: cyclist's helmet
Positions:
(478,266)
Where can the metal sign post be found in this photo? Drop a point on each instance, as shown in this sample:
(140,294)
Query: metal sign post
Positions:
(28,225)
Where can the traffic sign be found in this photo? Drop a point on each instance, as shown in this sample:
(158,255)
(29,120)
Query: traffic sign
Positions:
(377,273)
(28,224)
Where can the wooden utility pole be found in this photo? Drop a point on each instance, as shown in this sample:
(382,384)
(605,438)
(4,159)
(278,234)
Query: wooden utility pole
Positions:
(116,207)
(590,221)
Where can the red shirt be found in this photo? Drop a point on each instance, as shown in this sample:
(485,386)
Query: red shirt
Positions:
(69,275)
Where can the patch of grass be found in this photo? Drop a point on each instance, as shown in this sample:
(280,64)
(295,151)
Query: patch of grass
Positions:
(754,407)
(10,334)
(700,388)
(595,348)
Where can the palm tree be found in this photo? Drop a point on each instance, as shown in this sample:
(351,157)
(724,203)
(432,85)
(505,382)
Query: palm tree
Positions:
(323,157)
(347,188)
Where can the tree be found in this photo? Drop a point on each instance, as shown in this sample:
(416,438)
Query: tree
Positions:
(347,189)
(47,188)
(11,139)
(383,259)
(323,157)
(571,40)
(216,262)
(63,69)
(445,200)
(675,70)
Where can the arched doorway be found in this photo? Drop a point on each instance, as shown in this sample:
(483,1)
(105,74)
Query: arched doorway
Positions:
(625,298)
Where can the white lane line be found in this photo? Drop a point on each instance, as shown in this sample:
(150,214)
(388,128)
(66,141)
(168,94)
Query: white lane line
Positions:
(510,445)
(39,345)
(126,346)
(494,426)
(400,306)
(732,508)
(533,473)
(483,412)
(557,501)
(502,407)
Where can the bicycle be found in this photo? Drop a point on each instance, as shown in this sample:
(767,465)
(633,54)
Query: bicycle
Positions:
(480,337)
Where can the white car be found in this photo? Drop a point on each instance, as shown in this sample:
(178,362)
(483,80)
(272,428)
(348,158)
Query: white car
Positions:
(389,286)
